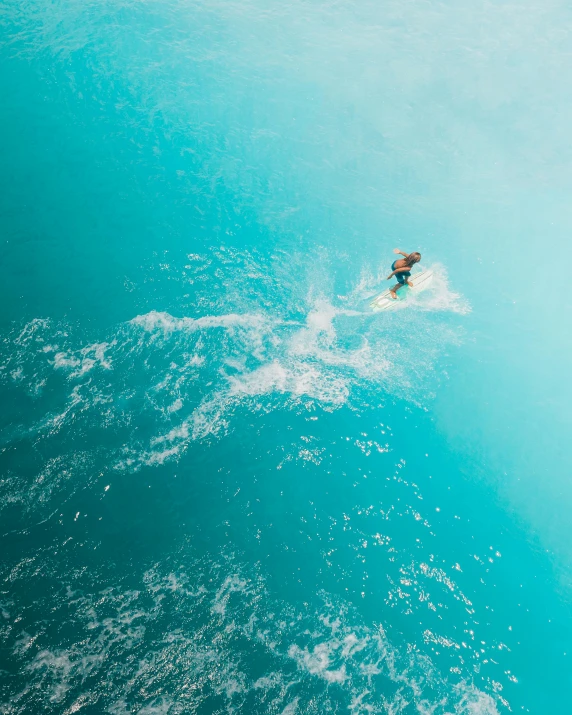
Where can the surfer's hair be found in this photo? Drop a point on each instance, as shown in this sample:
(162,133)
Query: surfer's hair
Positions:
(413,258)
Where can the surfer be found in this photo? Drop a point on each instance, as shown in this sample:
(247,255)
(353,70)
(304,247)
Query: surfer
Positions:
(401,269)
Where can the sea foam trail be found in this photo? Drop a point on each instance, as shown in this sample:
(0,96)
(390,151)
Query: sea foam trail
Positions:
(282,361)
(333,356)
(166,323)
(191,374)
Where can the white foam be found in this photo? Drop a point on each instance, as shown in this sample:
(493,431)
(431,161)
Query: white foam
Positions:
(296,381)
(82,361)
(291,708)
(175,406)
(317,662)
(473,701)
(439,297)
(167,324)
(327,642)
(232,584)
(58,662)
(161,706)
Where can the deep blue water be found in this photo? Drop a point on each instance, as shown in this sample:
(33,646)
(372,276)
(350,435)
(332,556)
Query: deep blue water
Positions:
(225,484)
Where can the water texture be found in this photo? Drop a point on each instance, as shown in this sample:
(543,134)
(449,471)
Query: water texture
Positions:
(226,485)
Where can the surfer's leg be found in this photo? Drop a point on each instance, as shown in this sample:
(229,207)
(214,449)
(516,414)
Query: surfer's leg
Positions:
(393,291)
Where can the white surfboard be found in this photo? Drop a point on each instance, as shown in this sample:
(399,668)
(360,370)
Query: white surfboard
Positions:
(420,282)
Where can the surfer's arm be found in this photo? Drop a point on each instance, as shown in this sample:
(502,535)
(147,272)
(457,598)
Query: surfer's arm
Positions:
(406,269)
(400,253)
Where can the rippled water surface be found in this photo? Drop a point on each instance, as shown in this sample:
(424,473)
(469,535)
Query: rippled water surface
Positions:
(226,486)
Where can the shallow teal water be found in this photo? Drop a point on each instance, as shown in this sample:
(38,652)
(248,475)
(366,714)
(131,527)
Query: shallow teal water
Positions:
(227,486)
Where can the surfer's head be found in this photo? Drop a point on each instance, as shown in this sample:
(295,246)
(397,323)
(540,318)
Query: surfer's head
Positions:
(413,258)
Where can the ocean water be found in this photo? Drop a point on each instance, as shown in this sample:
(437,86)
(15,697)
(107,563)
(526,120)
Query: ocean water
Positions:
(226,486)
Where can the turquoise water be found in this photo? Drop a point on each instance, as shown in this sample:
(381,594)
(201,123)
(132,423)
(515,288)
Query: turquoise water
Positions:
(226,485)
